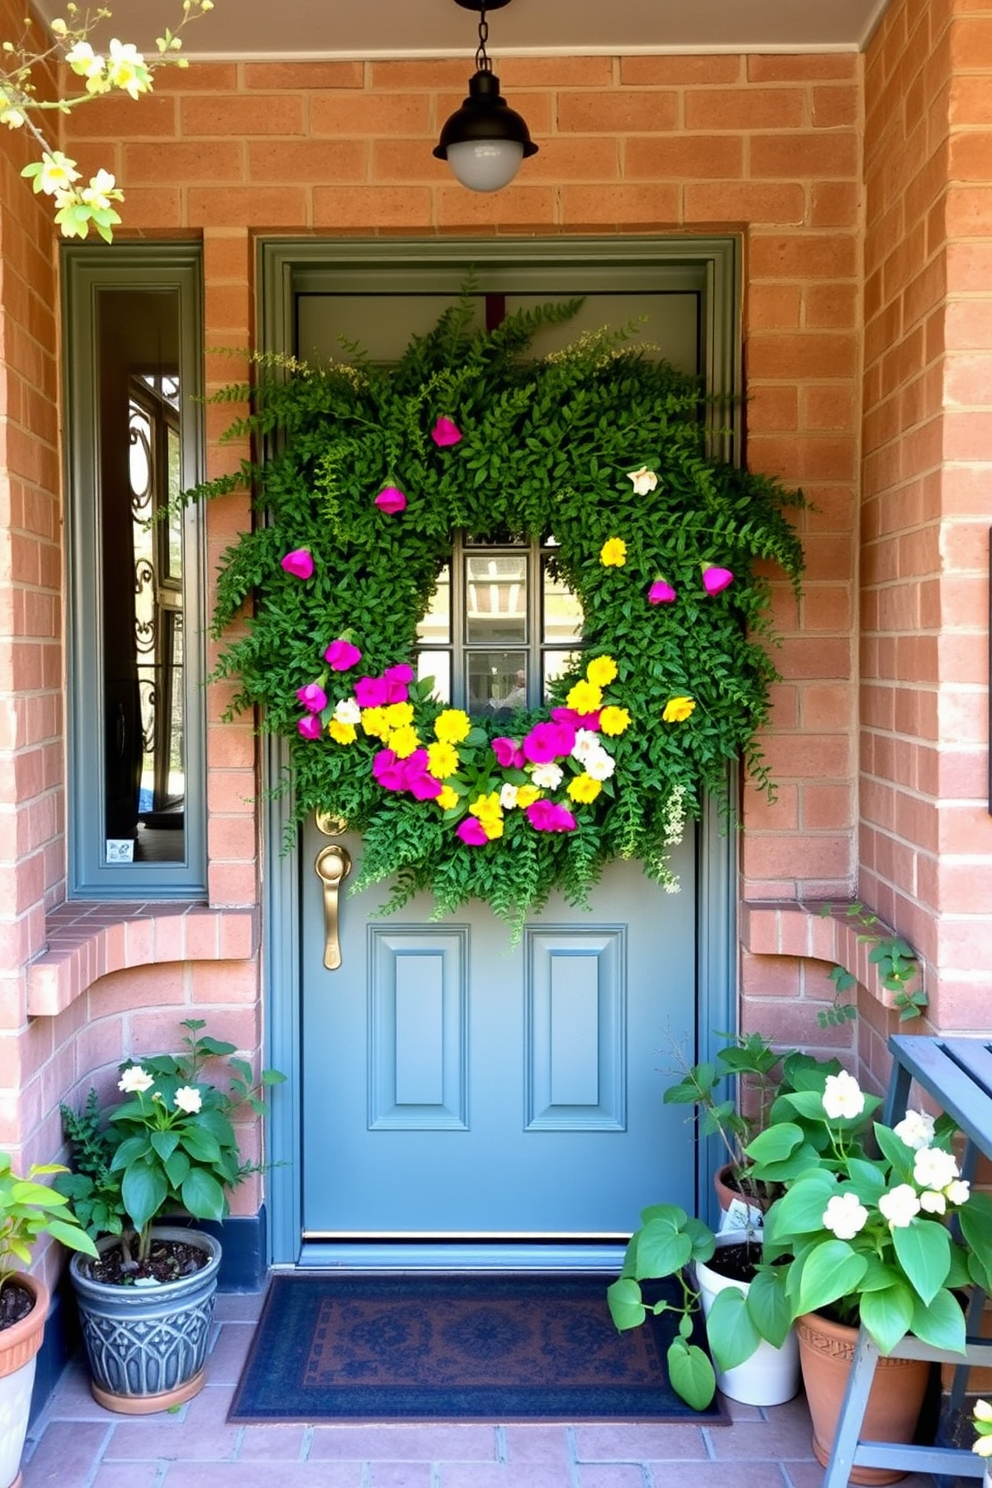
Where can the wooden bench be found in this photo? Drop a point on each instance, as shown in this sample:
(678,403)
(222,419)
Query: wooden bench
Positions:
(957,1072)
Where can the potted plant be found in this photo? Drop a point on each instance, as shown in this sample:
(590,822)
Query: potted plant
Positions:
(862,1236)
(763,1074)
(167,1147)
(757,1364)
(28,1210)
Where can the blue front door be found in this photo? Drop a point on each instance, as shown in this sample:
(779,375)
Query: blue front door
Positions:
(459,1090)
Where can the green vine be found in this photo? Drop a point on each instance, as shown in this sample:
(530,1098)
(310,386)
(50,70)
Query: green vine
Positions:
(600,449)
(897,967)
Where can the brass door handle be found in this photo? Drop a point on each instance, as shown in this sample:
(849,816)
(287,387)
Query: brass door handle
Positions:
(332,866)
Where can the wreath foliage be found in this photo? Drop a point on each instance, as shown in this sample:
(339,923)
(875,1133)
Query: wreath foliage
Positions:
(568,446)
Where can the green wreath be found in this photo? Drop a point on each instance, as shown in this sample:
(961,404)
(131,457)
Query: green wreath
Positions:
(375,470)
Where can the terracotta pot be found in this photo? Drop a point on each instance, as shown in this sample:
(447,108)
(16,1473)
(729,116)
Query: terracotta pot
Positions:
(826,1351)
(727,1195)
(18,1347)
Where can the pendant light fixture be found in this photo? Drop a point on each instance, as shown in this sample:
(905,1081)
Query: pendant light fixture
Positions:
(484,141)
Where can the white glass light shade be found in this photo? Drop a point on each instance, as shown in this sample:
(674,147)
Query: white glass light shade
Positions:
(485,165)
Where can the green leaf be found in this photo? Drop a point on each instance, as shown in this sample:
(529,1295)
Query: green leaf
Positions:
(165,1143)
(662,1251)
(923,1248)
(201,1145)
(626,1308)
(776,1143)
(144,1191)
(691,1374)
(768,1305)
(888,1314)
(730,1329)
(203,1196)
(894,1149)
(941,1322)
(832,1270)
(800,1211)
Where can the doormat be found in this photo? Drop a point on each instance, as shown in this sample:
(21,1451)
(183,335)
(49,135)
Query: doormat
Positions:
(466,1347)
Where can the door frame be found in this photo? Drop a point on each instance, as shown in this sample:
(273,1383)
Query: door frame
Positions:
(283,267)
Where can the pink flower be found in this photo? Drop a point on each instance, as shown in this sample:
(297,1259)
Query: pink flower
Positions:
(371,692)
(715,579)
(342,655)
(422,784)
(576,720)
(310,726)
(661,593)
(389,771)
(397,679)
(508,753)
(547,741)
(445,432)
(298,563)
(312,697)
(471,831)
(390,500)
(548,816)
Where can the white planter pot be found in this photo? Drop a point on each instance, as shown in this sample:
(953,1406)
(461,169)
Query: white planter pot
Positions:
(19,1346)
(771,1375)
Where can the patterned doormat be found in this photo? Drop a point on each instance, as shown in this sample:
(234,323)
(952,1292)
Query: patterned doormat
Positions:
(466,1347)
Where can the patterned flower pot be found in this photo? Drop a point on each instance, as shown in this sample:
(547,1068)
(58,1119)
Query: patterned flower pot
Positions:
(826,1351)
(18,1347)
(146,1345)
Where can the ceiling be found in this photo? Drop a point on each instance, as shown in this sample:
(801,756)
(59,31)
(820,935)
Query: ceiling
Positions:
(372,29)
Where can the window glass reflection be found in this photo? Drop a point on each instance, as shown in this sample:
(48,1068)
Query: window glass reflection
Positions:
(562,611)
(496,597)
(436,664)
(435,626)
(497,681)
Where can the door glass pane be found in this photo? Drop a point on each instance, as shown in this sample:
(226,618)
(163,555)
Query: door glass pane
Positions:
(497,681)
(496,597)
(436,664)
(142,570)
(562,611)
(435,627)
(556,662)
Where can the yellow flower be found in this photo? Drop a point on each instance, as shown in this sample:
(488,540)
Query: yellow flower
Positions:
(404,740)
(374,722)
(442,760)
(614,721)
(451,726)
(488,810)
(613,553)
(493,829)
(585,697)
(447,799)
(601,670)
(677,709)
(527,795)
(398,714)
(584,788)
(341,733)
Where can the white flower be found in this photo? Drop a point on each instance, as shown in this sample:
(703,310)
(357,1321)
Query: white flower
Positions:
(915,1129)
(188,1099)
(957,1192)
(933,1203)
(101,191)
(548,777)
(983,1446)
(983,1411)
(508,797)
(934,1168)
(84,61)
(586,743)
(126,69)
(134,1079)
(900,1205)
(57,173)
(600,766)
(348,711)
(12,117)
(845,1215)
(842,1096)
(644,480)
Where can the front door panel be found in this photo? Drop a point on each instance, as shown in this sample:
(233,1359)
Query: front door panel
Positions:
(458,1085)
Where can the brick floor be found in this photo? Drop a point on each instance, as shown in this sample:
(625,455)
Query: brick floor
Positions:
(77,1444)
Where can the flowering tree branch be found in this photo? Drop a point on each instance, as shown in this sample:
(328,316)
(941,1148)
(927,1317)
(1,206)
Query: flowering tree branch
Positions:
(123,68)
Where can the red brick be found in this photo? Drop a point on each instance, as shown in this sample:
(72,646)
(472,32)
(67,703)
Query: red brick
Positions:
(835,106)
(821,155)
(349,115)
(254,206)
(745,108)
(688,157)
(290,76)
(684,71)
(782,205)
(231,114)
(787,67)
(177,161)
(309,162)
(617,112)
(657,205)
(798,256)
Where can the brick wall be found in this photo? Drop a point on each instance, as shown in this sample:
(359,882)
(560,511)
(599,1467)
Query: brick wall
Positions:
(926,835)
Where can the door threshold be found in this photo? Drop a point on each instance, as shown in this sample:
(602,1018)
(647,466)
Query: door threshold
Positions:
(433,1255)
